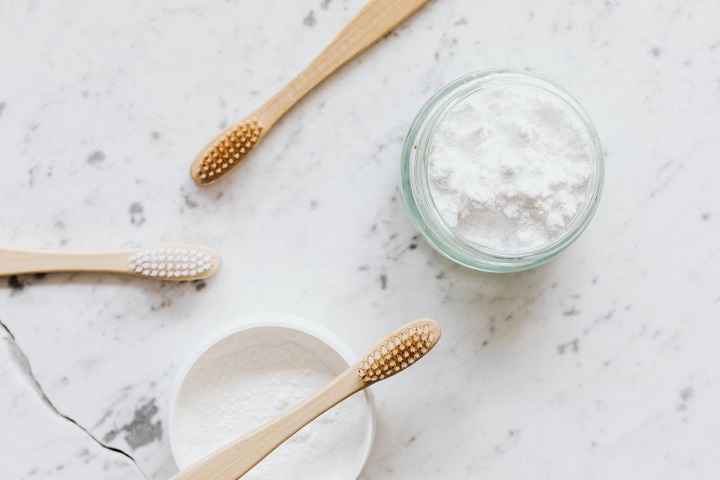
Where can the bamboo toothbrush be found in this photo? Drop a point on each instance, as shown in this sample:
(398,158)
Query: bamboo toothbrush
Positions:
(164,262)
(394,354)
(234,143)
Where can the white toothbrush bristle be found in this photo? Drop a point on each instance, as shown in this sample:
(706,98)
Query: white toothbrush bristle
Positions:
(172,262)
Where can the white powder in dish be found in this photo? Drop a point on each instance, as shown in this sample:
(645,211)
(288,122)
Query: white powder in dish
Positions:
(509,167)
(254,376)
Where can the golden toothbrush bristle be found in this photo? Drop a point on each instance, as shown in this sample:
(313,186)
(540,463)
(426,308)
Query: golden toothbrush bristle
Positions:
(226,151)
(400,350)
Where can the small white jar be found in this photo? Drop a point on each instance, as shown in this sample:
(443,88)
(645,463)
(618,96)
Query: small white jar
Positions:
(252,370)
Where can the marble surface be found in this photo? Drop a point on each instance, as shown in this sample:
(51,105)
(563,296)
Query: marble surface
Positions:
(601,364)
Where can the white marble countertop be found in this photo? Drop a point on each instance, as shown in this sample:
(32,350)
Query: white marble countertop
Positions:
(601,364)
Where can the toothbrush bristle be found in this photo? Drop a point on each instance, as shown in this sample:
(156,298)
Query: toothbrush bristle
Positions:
(398,352)
(229,150)
(171,263)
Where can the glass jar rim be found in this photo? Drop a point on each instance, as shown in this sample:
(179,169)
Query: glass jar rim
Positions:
(419,200)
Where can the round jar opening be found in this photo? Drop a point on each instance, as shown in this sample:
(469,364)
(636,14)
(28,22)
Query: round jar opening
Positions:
(253,370)
(502,170)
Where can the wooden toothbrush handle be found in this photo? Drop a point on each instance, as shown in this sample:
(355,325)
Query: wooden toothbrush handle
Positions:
(236,458)
(19,262)
(372,23)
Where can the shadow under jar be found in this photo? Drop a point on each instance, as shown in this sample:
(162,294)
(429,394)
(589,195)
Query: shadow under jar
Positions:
(502,170)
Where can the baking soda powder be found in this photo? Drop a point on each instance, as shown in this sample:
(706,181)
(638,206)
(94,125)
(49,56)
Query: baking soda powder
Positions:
(509,167)
(237,387)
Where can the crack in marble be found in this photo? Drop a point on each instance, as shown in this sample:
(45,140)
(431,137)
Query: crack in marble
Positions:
(23,365)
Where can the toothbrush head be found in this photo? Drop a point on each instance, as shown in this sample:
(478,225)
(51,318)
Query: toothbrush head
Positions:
(175,263)
(226,151)
(399,350)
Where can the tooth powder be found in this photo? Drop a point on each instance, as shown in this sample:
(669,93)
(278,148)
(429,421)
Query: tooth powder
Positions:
(253,377)
(510,167)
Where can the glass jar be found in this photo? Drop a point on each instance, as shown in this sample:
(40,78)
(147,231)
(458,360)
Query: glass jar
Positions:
(416,187)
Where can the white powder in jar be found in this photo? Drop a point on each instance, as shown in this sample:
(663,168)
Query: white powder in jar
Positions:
(254,376)
(510,167)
